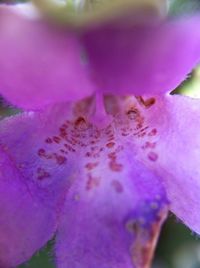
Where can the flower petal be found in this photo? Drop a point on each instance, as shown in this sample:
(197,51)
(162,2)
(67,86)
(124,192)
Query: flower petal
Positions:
(32,187)
(151,58)
(174,153)
(26,224)
(66,157)
(113,211)
(40,63)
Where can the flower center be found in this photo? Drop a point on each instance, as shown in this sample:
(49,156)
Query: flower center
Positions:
(100,127)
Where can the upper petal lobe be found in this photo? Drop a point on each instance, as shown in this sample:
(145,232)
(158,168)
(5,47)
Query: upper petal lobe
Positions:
(40,63)
(151,58)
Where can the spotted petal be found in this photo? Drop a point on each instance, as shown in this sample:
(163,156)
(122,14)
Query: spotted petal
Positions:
(40,63)
(31,194)
(111,218)
(172,151)
(114,210)
(26,223)
(108,193)
(151,58)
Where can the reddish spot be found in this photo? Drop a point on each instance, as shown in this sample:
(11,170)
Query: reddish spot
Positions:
(63,132)
(146,103)
(110,144)
(139,125)
(117,186)
(93,142)
(81,123)
(63,151)
(41,152)
(152,156)
(48,140)
(42,174)
(62,129)
(60,159)
(112,155)
(91,166)
(149,145)
(92,182)
(88,154)
(111,137)
(114,166)
(132,113)
(153,132)
(56,139)
(69,148)
(145,128)
(125,134)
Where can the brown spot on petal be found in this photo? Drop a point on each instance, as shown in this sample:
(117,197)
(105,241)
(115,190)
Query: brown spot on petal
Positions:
(92,182)
(81,123)
(56,139)
(152,156)
(91,166)
(48,140)
(153,132)
(110,145)
(60,159)
(146,103)
(114,166)
(132,113)
(42,174)
(41,152)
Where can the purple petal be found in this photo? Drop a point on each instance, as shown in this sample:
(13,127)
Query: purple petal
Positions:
(26,223)
(108,192)
(32,187)
(139,59)
(40,63)
(111,210)
(172,151)
(114,205)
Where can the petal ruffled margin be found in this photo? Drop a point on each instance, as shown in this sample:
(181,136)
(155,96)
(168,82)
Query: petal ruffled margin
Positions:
(40,63)
(176,156)
(143,59)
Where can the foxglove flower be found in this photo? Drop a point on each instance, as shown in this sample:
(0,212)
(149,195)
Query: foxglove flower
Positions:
(101,151)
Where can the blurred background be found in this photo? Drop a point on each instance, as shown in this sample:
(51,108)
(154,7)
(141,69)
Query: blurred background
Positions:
(178,247)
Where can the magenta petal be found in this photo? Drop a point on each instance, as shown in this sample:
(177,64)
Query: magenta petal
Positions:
(109,214)
(26,224)
(176,157)
(143,58)
(110,206)
(32,187)
(40,63)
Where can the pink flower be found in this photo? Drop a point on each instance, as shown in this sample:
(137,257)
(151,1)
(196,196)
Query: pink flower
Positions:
(101,150)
